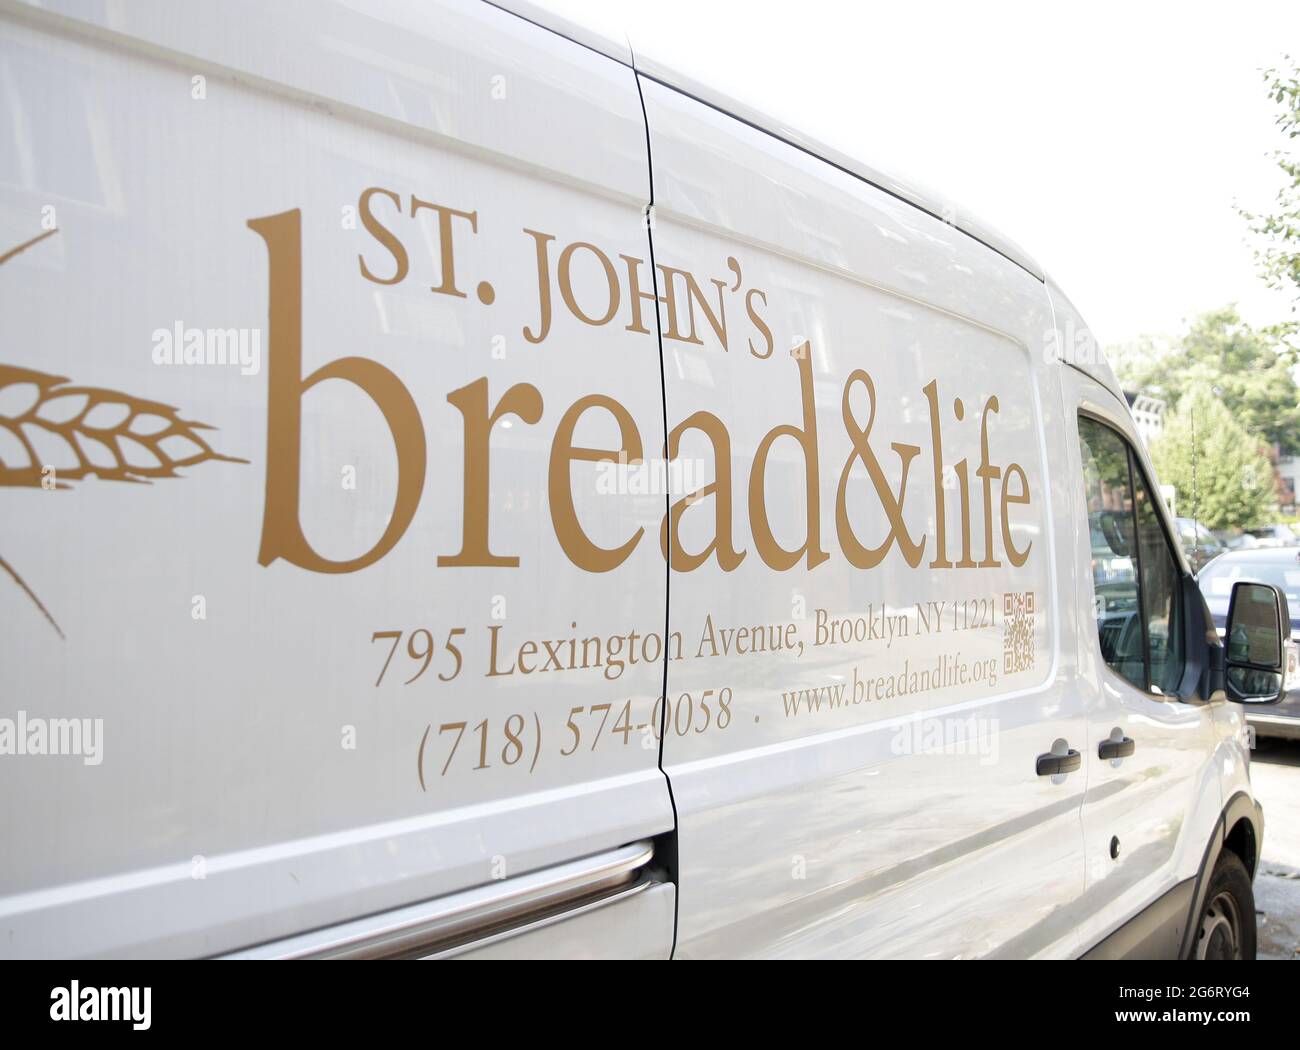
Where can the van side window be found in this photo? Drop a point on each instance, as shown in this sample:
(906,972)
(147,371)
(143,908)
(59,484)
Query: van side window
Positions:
(1161,591)
(1137,597)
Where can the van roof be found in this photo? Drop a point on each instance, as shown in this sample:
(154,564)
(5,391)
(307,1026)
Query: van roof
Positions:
(905,189)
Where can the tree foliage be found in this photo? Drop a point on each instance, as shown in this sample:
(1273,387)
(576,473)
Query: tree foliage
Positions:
(1232,485)
(1222,353)
(1278,231)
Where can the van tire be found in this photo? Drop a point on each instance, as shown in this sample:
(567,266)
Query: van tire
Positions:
(1225,929)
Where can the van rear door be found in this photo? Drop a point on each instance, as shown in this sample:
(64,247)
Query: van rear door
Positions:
(348,285)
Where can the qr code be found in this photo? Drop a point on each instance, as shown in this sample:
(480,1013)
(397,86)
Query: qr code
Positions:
(1018,631)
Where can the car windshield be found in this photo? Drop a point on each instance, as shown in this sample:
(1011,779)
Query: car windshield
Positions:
(1217,578)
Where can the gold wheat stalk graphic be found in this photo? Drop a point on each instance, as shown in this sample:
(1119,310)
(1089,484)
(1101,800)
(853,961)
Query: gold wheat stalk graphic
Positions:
(32,595)
(110,435)
(105,433)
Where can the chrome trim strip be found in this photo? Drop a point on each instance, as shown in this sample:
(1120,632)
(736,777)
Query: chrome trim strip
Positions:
(616,897)
(468,916)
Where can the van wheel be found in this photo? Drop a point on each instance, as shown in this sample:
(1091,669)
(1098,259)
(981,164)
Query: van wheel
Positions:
(1226,928)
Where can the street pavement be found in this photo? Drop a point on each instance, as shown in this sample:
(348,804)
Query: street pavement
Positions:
(1275,772)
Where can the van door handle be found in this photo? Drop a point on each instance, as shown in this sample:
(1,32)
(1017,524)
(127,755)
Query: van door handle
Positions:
(1049,765)
(1109,749)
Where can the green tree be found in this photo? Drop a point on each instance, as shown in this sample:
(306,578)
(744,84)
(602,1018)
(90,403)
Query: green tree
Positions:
(1279,230)
(1233,485)
(1223,353)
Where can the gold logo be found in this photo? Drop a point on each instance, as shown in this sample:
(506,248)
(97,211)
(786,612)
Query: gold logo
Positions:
(108,434)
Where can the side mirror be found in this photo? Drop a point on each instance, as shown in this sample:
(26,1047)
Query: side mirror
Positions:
(1113,527)
(1259,628)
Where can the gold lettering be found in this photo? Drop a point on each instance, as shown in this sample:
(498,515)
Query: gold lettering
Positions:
(989,474)
(1015,557)
(720,488)
(858,555)
(635,294)
(384,236)
(759,323)
(282,535)
(773,555)
(523,401)
(564,516)
(446,253)
(541,240)
(566,285)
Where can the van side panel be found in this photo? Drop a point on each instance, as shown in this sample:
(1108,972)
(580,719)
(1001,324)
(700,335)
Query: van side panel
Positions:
(860,701)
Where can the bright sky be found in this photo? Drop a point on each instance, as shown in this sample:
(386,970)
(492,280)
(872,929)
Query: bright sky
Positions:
(1109,139)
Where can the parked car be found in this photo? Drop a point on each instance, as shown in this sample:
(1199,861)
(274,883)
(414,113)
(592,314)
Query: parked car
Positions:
(1271,536)
(1198,543)
(398,307)
(1280,567)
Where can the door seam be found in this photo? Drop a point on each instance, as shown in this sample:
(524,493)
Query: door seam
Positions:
(648,219)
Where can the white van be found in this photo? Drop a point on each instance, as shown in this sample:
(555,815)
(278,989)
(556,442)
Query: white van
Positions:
(469,492)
